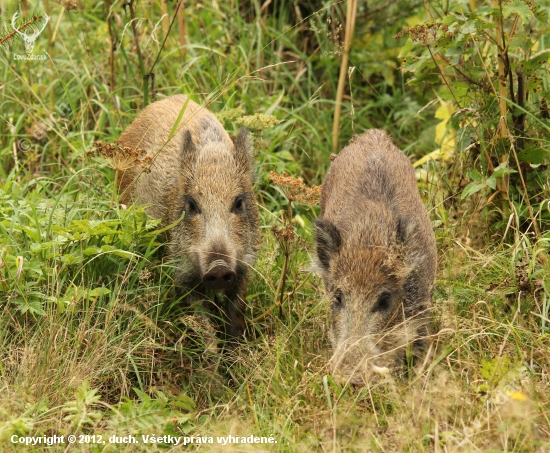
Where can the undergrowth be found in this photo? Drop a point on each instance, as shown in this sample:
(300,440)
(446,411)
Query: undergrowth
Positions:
(94,343)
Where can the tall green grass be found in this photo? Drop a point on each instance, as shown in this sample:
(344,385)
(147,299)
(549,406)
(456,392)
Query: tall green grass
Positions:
(92,338)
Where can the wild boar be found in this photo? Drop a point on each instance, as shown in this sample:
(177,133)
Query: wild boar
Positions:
(202,173)
(376,254)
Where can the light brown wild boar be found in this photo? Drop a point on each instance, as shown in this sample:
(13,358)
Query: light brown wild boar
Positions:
(201,172)
(376,255)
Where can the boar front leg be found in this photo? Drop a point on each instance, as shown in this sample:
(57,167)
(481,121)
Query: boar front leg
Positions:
(234,307)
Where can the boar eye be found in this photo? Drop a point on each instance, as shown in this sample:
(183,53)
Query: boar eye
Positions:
(191,206)
(337,301)
(238,205)
(383,303)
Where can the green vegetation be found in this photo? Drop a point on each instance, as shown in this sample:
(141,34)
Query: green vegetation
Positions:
(92,340)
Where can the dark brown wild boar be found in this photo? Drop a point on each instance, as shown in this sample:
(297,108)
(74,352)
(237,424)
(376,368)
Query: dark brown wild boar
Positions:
(201,172)
(376,255)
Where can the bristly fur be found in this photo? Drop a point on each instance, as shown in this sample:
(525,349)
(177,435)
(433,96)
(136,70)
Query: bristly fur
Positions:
(202,173)
(376,255)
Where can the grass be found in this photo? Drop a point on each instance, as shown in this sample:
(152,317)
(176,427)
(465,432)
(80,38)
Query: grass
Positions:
(92,341)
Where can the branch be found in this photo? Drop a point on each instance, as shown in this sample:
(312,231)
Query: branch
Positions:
(29,23)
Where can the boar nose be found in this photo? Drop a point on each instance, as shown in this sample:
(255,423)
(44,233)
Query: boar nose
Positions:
(219,277)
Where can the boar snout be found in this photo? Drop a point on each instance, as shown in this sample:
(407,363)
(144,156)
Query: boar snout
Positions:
(218,260)
(219,276)
(345,366)
(357,360)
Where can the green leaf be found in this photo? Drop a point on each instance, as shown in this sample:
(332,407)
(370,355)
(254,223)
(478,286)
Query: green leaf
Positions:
(486,11)
(406,49)
(116,251)
(36,267)
(524,42)
(33,306)
(534,155)
(491,182)
(33,234)
(539,60)
(472,188)
(422,62)
(460,89)
(475,175)
(327,390)
(428,77)
(184,402)
(519,8)
(502,170)
(71,258)
(123,254)
(142,395)
(102,291)
(494,370)
(80,410)
(152,224)
(91,251)
(178,120)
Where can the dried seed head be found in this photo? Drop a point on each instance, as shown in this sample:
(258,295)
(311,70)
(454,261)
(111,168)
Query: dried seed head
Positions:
(69,5)
(121,158)
(285,234)
(427,34)
(295,189)
(287,237)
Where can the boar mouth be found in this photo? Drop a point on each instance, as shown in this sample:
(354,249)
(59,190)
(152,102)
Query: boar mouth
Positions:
(360,375)
(219,276)
(352,365)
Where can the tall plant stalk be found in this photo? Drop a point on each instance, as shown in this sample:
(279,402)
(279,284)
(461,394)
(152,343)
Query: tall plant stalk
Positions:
(144,76)
(350,27)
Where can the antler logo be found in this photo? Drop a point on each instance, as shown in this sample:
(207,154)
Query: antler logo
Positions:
(28,39)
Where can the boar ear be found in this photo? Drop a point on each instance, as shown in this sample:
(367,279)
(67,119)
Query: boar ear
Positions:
(328,241)
(188,150)
(243,149)
(404,226)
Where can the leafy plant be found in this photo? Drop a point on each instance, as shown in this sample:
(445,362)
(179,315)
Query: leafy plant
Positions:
(161,414)
(490,61)
(80,412)
(39,242)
